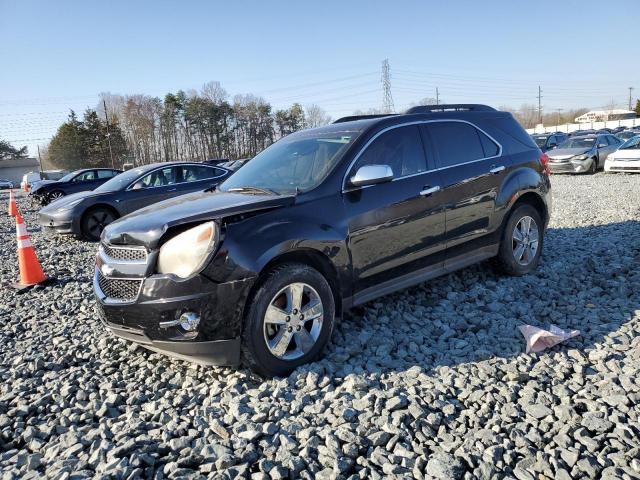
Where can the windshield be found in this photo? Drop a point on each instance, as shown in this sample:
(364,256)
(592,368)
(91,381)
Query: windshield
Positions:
(626,135)
(540,141)
(69,176)
(299,161)
(120,181)
(632,143)
(578,143)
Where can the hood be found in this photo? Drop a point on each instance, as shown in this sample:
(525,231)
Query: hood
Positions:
(146,226)
(67,199)
(38,184)
(626,154)
(561,153)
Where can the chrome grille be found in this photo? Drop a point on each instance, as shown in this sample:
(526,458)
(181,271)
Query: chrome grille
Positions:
(128,254)
(118,288)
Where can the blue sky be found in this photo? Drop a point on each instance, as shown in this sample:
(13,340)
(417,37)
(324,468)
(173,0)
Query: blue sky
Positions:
(60,55)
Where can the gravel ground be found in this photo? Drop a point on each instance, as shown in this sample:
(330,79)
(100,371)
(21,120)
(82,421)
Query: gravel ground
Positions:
(431,382)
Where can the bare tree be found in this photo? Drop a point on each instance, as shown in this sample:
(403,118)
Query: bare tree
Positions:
(315,116)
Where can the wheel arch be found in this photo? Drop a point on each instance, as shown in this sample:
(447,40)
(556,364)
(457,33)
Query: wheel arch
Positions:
(533,199)
(106,206)
(313,258)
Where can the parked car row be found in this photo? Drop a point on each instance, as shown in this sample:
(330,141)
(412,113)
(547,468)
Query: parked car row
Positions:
(588,152)
(86,201)
(212,265)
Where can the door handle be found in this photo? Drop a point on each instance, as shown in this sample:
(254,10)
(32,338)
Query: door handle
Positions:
(496,169)
(429,191)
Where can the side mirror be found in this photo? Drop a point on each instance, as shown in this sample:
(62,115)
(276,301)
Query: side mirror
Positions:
(137,186)
(371,175)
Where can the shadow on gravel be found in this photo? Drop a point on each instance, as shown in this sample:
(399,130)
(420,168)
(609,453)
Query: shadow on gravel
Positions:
(589,280)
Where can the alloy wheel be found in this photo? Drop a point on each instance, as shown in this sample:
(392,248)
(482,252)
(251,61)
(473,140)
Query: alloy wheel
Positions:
(56,195)
(524,241)
(293,321)
(97,221)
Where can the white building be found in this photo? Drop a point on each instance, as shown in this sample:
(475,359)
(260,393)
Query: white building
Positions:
(605,115)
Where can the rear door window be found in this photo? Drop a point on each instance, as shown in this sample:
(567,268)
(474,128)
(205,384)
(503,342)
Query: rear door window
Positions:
(400,148)
(457,143)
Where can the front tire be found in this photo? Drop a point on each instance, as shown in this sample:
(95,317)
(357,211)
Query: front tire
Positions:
(289,321)
(94,221)
(522,239)
(594,166)
(53,196)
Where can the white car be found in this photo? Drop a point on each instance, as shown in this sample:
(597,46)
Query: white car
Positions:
(626,158)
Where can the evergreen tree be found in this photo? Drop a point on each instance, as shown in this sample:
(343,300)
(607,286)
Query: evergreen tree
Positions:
(8,151)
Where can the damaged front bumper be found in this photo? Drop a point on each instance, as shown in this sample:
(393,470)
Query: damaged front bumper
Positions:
(147,308)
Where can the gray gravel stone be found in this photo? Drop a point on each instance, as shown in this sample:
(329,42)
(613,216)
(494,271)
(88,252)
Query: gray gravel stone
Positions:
(430,382)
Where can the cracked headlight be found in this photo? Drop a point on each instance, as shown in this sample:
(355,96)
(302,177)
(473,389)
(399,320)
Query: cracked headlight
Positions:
(187,252)
(582,157)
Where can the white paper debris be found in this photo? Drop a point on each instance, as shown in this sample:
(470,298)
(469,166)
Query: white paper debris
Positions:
(539,339)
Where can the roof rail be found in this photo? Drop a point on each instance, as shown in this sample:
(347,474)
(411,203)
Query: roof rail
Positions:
(351,118)
(454,107)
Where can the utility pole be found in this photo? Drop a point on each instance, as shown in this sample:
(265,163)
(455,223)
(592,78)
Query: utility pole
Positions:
(39,159)
(437,96)
(106,117)
(558,110)
(539,104)
(387,99)
(630,102)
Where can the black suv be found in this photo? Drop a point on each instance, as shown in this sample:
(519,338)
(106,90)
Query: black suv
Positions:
(323,220)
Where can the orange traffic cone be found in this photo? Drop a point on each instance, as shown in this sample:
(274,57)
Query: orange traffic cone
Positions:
(30,270)
(26,187)
(13,209)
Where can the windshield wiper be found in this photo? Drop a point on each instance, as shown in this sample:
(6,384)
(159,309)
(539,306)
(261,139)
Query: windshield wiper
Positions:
(253,190)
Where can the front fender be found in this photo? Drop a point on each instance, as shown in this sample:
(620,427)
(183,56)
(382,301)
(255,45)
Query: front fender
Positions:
(250,245)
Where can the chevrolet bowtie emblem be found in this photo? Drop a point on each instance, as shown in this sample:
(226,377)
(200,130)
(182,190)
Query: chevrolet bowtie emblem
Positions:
(106,270)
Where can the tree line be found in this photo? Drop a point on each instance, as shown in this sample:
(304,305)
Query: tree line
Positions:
(194,125)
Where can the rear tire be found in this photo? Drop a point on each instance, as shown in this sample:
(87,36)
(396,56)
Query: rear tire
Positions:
(277,337)
(522,241)
(94,221)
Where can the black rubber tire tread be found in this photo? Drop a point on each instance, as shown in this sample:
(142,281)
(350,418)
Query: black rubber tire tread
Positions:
(504,260)
(255,353)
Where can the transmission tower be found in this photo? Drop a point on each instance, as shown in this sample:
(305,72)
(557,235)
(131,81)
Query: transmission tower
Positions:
(387,99)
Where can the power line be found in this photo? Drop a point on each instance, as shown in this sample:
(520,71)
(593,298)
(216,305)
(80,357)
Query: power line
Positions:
(387,98)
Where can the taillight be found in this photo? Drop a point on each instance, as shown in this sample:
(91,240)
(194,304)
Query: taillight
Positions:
(544,161)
